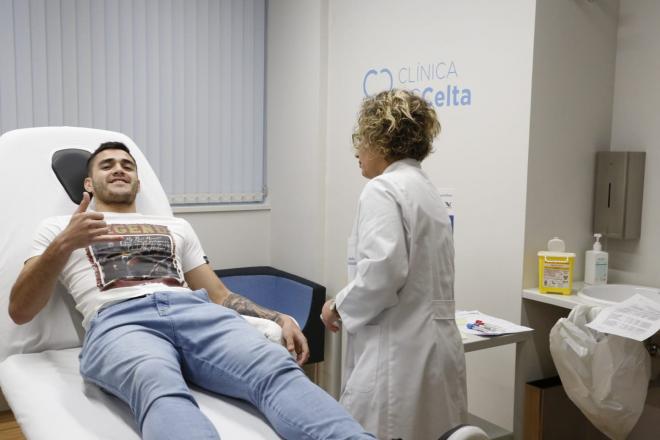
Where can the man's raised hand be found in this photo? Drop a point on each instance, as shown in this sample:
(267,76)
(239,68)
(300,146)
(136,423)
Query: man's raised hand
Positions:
(86,228)
(84,203)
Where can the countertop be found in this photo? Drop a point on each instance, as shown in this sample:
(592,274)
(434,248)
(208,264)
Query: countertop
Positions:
(476,342)
(556,299)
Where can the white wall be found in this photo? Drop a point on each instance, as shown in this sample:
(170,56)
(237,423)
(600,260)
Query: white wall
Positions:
(233,238)
(635,128)
(295,134)
(482,151)
(573,80)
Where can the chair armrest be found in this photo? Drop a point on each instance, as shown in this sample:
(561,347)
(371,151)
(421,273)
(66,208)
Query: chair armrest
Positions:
(286,293)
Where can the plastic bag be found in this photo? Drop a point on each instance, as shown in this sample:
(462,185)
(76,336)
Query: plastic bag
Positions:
(606,376)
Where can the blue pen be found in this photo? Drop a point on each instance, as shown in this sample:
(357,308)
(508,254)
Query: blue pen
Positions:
(474,326)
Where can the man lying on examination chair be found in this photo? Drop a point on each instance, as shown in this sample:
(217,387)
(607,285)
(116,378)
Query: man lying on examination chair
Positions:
(157,316)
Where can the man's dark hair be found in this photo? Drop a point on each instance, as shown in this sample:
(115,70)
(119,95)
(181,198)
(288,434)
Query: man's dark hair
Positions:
(107,146)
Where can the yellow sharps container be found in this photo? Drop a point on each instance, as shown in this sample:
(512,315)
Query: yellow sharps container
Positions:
(556,268)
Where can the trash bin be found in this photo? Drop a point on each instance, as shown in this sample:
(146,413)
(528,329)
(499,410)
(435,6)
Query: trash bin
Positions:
(550,415)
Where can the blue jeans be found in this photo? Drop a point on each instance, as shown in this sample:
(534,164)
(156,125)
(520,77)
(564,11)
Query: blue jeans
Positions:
(144,350)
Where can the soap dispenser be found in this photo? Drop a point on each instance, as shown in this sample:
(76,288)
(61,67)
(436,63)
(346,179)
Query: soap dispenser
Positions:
(595,264)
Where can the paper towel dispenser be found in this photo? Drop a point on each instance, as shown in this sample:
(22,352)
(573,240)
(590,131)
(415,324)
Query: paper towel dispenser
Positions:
(618,194)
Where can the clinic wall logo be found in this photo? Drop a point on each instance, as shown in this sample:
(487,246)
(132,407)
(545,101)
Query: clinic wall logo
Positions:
(436,82)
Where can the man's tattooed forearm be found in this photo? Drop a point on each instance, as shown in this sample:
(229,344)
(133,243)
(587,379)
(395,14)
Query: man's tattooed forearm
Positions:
(246,307)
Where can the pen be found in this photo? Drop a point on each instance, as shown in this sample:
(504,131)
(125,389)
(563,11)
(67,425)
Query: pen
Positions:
(489,327)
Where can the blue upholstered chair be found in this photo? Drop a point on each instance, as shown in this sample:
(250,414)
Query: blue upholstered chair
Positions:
(284,292)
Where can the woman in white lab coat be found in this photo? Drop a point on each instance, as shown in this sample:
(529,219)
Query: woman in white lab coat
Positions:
(404,371)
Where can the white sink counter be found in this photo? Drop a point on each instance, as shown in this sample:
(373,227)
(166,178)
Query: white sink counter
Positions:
(556,299)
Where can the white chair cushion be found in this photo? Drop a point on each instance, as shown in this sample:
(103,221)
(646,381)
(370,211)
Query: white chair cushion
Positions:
(50,400)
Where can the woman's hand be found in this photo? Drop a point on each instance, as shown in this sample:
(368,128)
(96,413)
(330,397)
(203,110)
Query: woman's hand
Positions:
(330,317)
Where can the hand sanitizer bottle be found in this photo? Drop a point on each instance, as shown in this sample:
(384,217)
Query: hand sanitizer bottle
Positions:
(595,264)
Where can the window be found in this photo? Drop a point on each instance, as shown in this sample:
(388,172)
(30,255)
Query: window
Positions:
(183,78)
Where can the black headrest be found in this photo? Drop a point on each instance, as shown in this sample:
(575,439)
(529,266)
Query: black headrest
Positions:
(70,167)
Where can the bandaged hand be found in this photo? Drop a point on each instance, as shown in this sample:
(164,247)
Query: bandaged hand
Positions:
(293,339)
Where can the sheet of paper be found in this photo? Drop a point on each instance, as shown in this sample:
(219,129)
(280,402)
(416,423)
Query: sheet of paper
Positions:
(636,318)
(492,326)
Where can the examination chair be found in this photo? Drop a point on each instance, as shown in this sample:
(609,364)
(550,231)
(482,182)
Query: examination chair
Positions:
(39,374)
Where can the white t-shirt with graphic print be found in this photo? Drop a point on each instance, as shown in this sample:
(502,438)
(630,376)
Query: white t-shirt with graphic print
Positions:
(153,255)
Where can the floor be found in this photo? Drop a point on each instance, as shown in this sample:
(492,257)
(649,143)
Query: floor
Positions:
(9,430)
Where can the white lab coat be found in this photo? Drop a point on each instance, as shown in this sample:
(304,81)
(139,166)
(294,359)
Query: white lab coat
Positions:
(404,370)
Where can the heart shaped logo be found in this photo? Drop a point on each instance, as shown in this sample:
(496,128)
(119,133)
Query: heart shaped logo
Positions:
(375,81)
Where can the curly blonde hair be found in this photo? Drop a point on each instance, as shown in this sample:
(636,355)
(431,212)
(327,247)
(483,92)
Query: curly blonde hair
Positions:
(398,124)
